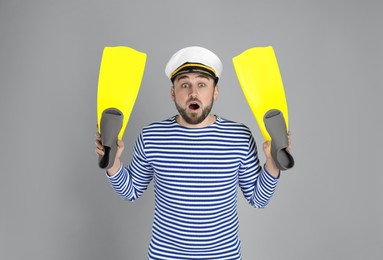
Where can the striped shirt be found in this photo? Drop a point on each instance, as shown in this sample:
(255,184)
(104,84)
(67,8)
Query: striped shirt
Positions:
(196,172)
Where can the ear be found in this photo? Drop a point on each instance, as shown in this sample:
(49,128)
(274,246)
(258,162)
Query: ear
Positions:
(172,94)
(216,92)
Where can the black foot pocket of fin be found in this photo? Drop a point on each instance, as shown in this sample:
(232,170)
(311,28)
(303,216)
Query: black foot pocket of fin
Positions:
(103,161)
(110,126)
(276,127)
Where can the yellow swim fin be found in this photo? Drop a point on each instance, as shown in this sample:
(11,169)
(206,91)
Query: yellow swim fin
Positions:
(261,82)
(119,81)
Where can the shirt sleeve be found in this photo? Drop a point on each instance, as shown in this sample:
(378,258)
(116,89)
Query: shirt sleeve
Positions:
(131,181)
(256,183)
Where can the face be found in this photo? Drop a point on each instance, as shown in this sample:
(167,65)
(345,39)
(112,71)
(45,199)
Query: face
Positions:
(194,95)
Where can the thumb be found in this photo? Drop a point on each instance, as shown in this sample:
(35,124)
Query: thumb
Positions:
(120,148)
(266,148)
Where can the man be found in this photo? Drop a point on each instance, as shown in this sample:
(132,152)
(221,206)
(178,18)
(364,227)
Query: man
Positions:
(196,160)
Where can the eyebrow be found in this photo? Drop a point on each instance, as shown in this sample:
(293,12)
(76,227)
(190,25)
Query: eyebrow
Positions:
(199,76)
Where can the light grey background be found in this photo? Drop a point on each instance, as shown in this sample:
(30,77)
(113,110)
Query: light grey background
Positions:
(57,204)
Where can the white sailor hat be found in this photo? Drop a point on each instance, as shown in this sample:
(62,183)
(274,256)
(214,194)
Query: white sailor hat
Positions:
(194,59)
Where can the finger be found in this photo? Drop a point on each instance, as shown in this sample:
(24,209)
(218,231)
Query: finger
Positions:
(120,144)
(289,145)
(289,141)
(99,145)
(266,149)
(98,138)
(99,152)
(266,145)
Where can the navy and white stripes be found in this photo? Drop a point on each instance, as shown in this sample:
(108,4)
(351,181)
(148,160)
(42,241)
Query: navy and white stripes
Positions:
(196,173)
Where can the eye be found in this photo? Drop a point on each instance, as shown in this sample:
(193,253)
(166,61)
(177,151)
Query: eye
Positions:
(201,85)
(184,85)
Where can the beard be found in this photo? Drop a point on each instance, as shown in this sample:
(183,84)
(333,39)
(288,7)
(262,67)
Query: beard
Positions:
(194,118)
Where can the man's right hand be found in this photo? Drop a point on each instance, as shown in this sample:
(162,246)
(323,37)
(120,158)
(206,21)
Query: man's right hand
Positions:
(100,152)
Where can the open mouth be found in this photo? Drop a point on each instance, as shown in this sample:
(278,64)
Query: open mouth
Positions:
(193,106)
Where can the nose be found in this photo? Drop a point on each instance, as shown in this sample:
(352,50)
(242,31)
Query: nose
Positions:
(193,91)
